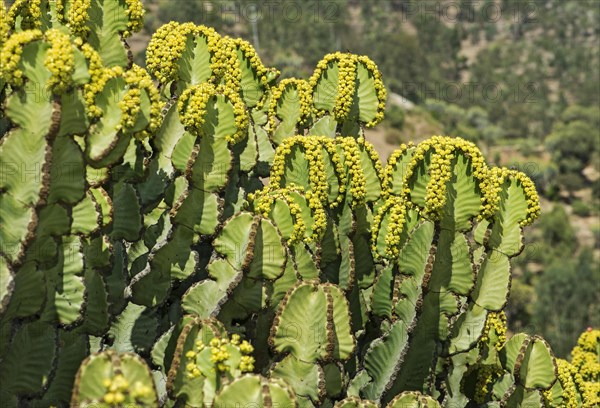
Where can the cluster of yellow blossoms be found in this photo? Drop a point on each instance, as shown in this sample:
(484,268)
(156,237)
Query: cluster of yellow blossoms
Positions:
(571,384)
(486,373)
(138,81)
(265,200)
(498,176)
(315,149)
(59,5)
(346,81)
(11,55)
(495,321)
(192,105)
(445,150)
(533,200)
(293,197)
(29,10)
(441,152)
(357,180)
(586,355)
(60,60)
(119,391)
(91,89)
(77,17)
(135,17)
(304,92)
(220,353)
(168,44)
(379,89)
(4,24)
(192,108)
(98,77)
(397,207)
(240,113)
(580,379)
(346,87)
(233,75)
(370,149)
(440,172)
(391,170)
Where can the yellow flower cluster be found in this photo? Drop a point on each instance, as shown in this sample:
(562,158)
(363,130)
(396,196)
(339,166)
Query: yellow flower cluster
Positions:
(192,109)
(357,180)
(192,105)
(370,149)
(397,207)
(346,86)
(98,77)
(96,85)
(570,382)
(485,375)
(60,60)
(246,361)
(60,9)
(379,89)
(586,356)
(4,24)
(138,80)
(264,202)
(118,390)
(533,200)
(192,368)
(442,151)
(156,105)
(29,10)
(239,111)
(329,146)
(234,75)
(168,44)
(314,148)
(219,354)
(246,364)
(493,188)
(304,95)
(77,17)
(11,55)
(346,80)
(140,390)
(391,167)
(495,321)
(440,173)
(135,17)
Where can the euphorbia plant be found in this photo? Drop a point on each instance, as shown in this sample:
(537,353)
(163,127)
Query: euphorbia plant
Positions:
(147,259)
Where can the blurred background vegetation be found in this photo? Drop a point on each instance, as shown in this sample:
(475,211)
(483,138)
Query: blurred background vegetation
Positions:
(519,78)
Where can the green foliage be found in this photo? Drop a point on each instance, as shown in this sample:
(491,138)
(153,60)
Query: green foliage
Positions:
(557,230)
(576,284)
(163,271)
(395,117)
(581,209)
(574,142)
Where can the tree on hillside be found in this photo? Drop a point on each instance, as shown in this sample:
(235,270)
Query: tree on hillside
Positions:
(568,301)
(573,142)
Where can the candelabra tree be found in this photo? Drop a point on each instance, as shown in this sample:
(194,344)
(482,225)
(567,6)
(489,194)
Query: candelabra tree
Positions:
(199,232)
